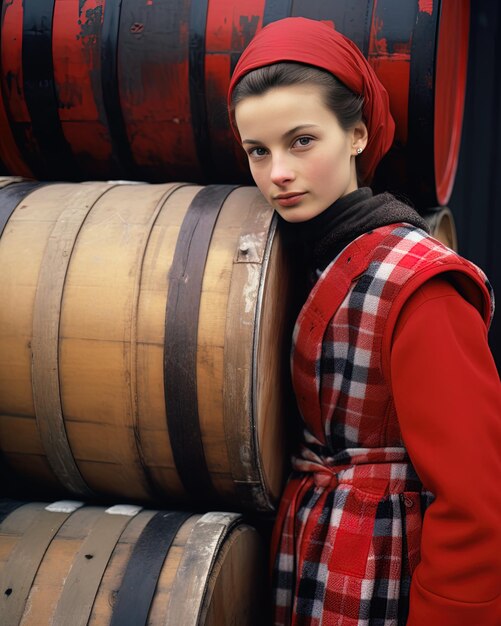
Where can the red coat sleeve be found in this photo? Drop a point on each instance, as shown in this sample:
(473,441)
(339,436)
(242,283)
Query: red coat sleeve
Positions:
(447,395)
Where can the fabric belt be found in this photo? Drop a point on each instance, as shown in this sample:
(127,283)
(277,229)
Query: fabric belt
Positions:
(381,471)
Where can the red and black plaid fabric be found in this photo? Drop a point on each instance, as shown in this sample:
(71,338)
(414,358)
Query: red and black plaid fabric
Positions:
(347,535)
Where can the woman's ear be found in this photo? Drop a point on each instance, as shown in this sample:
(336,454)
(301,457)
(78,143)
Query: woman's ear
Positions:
(360,137)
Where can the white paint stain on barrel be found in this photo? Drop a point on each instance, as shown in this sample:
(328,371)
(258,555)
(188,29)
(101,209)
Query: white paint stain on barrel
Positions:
(64,506)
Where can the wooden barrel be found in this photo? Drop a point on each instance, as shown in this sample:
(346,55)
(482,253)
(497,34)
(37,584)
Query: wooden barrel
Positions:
(144,341)
(134,89)
(442,226)
(66,563)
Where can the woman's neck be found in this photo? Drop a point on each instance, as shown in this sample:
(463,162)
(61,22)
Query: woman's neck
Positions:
(350,216)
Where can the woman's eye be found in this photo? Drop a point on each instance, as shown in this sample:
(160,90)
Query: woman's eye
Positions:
(257,152)
(302,142)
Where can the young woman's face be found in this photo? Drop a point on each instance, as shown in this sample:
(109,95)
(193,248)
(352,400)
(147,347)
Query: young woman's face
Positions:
(299,156)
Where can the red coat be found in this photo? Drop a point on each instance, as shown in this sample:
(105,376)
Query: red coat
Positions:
(448,401)
(402,405)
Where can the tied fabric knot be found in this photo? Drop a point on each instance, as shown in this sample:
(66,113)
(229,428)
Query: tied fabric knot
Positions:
(325,478)
(322,469)
(378,470)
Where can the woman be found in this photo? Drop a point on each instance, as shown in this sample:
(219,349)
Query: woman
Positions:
(391,515)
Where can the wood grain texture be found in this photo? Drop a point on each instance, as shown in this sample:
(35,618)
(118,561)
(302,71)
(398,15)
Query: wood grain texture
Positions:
(272,391)
(18,572)
(22,248)
(85,284)
(211,341)
(210,564)
(98,338)
(84,578)
(152,422)
(233,596)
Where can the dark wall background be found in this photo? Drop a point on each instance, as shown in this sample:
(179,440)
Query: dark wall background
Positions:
(476,199)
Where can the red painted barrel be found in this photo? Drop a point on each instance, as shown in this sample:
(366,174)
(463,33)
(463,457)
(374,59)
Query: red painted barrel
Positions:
(101,89)
(10,75)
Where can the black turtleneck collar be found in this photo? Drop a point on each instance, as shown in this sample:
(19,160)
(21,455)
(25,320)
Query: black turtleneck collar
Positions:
(349,217)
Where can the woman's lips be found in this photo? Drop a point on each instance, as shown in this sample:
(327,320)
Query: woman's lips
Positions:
(288,200)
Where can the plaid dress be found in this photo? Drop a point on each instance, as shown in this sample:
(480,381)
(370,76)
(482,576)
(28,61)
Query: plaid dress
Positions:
(347,535)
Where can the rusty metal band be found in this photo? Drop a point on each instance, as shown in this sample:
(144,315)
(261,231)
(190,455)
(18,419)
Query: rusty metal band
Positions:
(10,197)
(18,574)
(276,10)
(122,153)
(140,580)
(55,158)
(84,578)
(181,329)
(45,341)
(421,143)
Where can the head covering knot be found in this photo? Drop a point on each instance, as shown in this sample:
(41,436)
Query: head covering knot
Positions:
(315,43)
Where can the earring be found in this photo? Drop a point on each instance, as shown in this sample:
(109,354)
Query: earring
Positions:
(359,150)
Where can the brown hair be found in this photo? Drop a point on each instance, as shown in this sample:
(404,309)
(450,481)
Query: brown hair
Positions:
(344,103)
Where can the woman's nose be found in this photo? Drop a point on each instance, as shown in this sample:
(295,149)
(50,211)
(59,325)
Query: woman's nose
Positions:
(281,171)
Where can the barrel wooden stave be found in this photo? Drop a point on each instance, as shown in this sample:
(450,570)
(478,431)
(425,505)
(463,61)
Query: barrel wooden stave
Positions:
(270,390)
(98,328)
(226,355)
(56,566)
(223,604)
(21,253)
(244,605)
(97,440)
(154,436)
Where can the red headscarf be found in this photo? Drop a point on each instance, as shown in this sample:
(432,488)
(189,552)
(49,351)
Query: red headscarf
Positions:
(315,43)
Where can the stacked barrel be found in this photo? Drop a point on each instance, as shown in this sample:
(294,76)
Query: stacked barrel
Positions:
(66,563)
(137,89)
(142,340)
(145,326)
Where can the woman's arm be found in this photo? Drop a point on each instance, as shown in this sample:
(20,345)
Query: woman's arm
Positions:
(447,395)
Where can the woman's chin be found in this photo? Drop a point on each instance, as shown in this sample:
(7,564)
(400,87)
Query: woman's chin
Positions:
(298,214)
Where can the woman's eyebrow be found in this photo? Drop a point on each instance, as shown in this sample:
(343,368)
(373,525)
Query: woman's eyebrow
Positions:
(292,131)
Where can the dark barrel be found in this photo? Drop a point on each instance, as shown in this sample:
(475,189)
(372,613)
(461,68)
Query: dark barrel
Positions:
(134,89)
